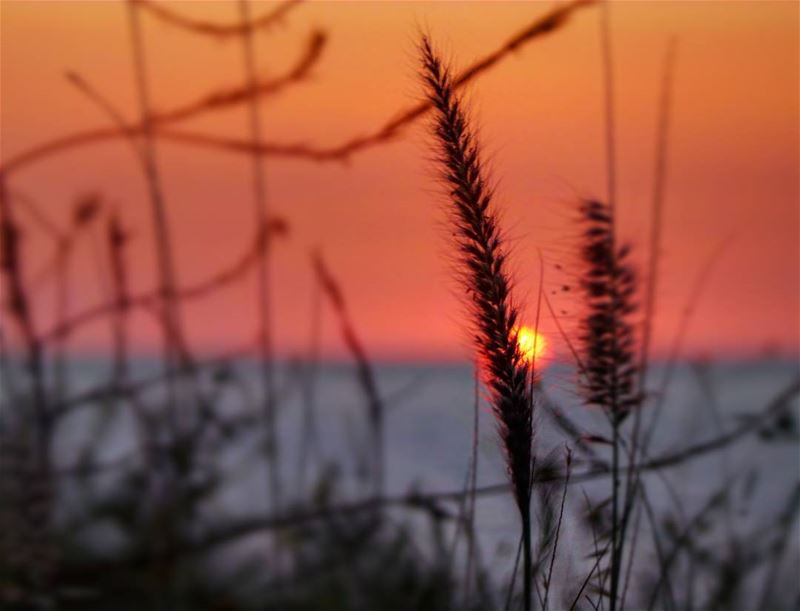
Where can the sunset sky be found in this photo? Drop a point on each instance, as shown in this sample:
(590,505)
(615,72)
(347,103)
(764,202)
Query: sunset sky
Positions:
(732,187)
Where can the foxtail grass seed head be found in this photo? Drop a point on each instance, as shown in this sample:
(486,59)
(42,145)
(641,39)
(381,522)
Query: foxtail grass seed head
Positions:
(607,336)
(482,259)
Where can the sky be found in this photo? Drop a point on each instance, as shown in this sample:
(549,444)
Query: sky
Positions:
(731,218)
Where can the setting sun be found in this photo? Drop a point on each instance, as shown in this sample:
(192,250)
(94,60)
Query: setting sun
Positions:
(532,344)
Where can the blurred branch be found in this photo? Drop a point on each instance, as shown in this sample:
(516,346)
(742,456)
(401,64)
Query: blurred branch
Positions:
(750,425)
(546,24)
(222,362)
(217,100)
(239,94)
(366,375)
(86,208)
(132,389)
(19,307)
(275,227)
(218,30)
(416,499)
(38,215)
(264,284)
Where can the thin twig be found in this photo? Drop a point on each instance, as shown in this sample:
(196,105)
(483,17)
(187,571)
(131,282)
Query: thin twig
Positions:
(264,288)
(173,341)
(473,483)
(549,582)
(659,186)
(220,30)
(201,289)
(366,374)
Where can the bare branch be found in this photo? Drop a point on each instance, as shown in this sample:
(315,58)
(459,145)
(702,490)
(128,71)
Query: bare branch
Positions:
(276,227)
(219,30)
(550,22)
(239,94)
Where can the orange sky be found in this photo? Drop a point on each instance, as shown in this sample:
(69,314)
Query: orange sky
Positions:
(733,169)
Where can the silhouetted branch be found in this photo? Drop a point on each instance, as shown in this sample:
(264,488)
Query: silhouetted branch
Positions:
(551,21)
(775,406)
(239,94)
(217,100)
(366,376)
(219,30)
(168,308)
(28,488)
(116,239)
(134,388)
(264,268)
(86,209)
(18,304)
(38,215)
(201,289)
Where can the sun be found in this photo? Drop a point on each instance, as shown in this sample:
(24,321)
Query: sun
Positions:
(532,344)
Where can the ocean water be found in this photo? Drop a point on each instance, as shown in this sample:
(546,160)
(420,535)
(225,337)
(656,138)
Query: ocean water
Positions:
(428,423)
